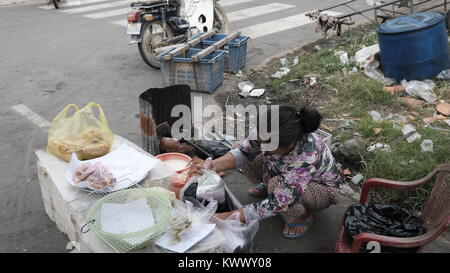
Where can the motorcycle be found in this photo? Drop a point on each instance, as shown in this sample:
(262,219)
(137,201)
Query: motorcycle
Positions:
(156,24)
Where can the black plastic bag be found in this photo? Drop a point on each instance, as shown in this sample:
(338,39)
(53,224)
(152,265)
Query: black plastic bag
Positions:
(385,220)
(213,147)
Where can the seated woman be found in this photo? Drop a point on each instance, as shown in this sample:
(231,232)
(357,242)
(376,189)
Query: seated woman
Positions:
(297,178)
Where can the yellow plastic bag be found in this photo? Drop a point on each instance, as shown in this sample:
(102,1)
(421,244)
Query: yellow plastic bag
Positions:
(82,133)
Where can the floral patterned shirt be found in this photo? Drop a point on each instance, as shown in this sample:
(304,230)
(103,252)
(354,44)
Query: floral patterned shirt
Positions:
(310,160)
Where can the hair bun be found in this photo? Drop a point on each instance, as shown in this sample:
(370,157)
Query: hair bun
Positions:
(310,119)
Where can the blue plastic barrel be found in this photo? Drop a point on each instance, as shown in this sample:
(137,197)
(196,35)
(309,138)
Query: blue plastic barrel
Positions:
(414,47)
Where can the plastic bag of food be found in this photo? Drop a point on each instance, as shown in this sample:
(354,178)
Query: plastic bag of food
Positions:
(83,133)
(96,176)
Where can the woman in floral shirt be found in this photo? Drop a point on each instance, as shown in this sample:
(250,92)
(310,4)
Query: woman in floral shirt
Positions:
(295,179)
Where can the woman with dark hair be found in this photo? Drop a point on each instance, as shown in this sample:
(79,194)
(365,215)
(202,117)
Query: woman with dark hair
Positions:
(299,177)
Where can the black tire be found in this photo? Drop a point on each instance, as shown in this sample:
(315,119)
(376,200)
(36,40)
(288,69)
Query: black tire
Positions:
(219,12)
(55,3)
(147,45)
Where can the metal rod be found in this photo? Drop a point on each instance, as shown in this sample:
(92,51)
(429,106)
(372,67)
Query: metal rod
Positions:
(369,9)
(337,5)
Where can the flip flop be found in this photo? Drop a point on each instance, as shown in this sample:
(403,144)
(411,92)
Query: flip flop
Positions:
(261,188)
(298,225)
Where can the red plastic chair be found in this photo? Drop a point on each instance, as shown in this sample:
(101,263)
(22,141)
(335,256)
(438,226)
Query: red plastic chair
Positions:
(436,213)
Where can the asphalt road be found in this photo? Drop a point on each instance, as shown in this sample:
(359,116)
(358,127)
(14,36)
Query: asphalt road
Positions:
(50,58)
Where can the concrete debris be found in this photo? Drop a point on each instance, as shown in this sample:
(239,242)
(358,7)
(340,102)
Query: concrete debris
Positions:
(443,108)
(408,128)
(357,179)
(414,137)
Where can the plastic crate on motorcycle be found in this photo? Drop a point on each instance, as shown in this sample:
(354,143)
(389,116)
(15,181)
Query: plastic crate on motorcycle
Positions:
(235,51)
(206,75)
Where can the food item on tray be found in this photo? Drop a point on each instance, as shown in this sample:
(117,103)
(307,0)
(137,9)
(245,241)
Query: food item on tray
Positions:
(96,175)
(88,145)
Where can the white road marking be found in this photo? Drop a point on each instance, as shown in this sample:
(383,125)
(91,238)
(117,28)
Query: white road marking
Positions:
(239,15)
(279,25)
(233,2)
(257,11)
(95,7)
(110,13)
(32,116)
(72,3)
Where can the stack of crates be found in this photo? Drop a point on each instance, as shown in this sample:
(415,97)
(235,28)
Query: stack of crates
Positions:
(235,51)
(205,75)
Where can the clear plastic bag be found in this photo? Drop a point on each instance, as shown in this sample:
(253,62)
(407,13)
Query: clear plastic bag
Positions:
(239,235)
(96,176)
(83,133)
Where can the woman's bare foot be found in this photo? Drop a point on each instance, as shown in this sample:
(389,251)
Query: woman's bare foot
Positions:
(259,191)
(294,230)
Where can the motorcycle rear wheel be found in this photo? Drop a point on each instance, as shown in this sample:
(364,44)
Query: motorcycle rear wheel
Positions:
(152,36)
(219,14)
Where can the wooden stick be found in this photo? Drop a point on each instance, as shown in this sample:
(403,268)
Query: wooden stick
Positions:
(185,46)
(215,46)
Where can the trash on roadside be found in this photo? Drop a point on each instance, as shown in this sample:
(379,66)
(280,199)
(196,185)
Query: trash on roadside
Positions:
(394,88)
(346,172)
(397,126)
(443,108)
(420,89)
(317,48)
(246,86)
(310,79)
(343,56)
(348,124)
(295,61)
(357,178)
(414,137)
(380,147)
(415,103)
(366,55)
(408,128)
(283,71)
(284,62)
(353,71)
(444,75)
(376,116)
(396,118)
(257,92)
(377,75)
(387,220)
(447,121)
(426,145)
(434,118)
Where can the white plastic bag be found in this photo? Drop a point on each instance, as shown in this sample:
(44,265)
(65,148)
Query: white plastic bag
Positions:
(239,235)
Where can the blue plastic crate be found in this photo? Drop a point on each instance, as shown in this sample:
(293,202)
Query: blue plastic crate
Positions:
(236,51)
(181,70)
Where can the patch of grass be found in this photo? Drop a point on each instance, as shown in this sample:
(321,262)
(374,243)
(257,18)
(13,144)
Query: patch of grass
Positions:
(406,162)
